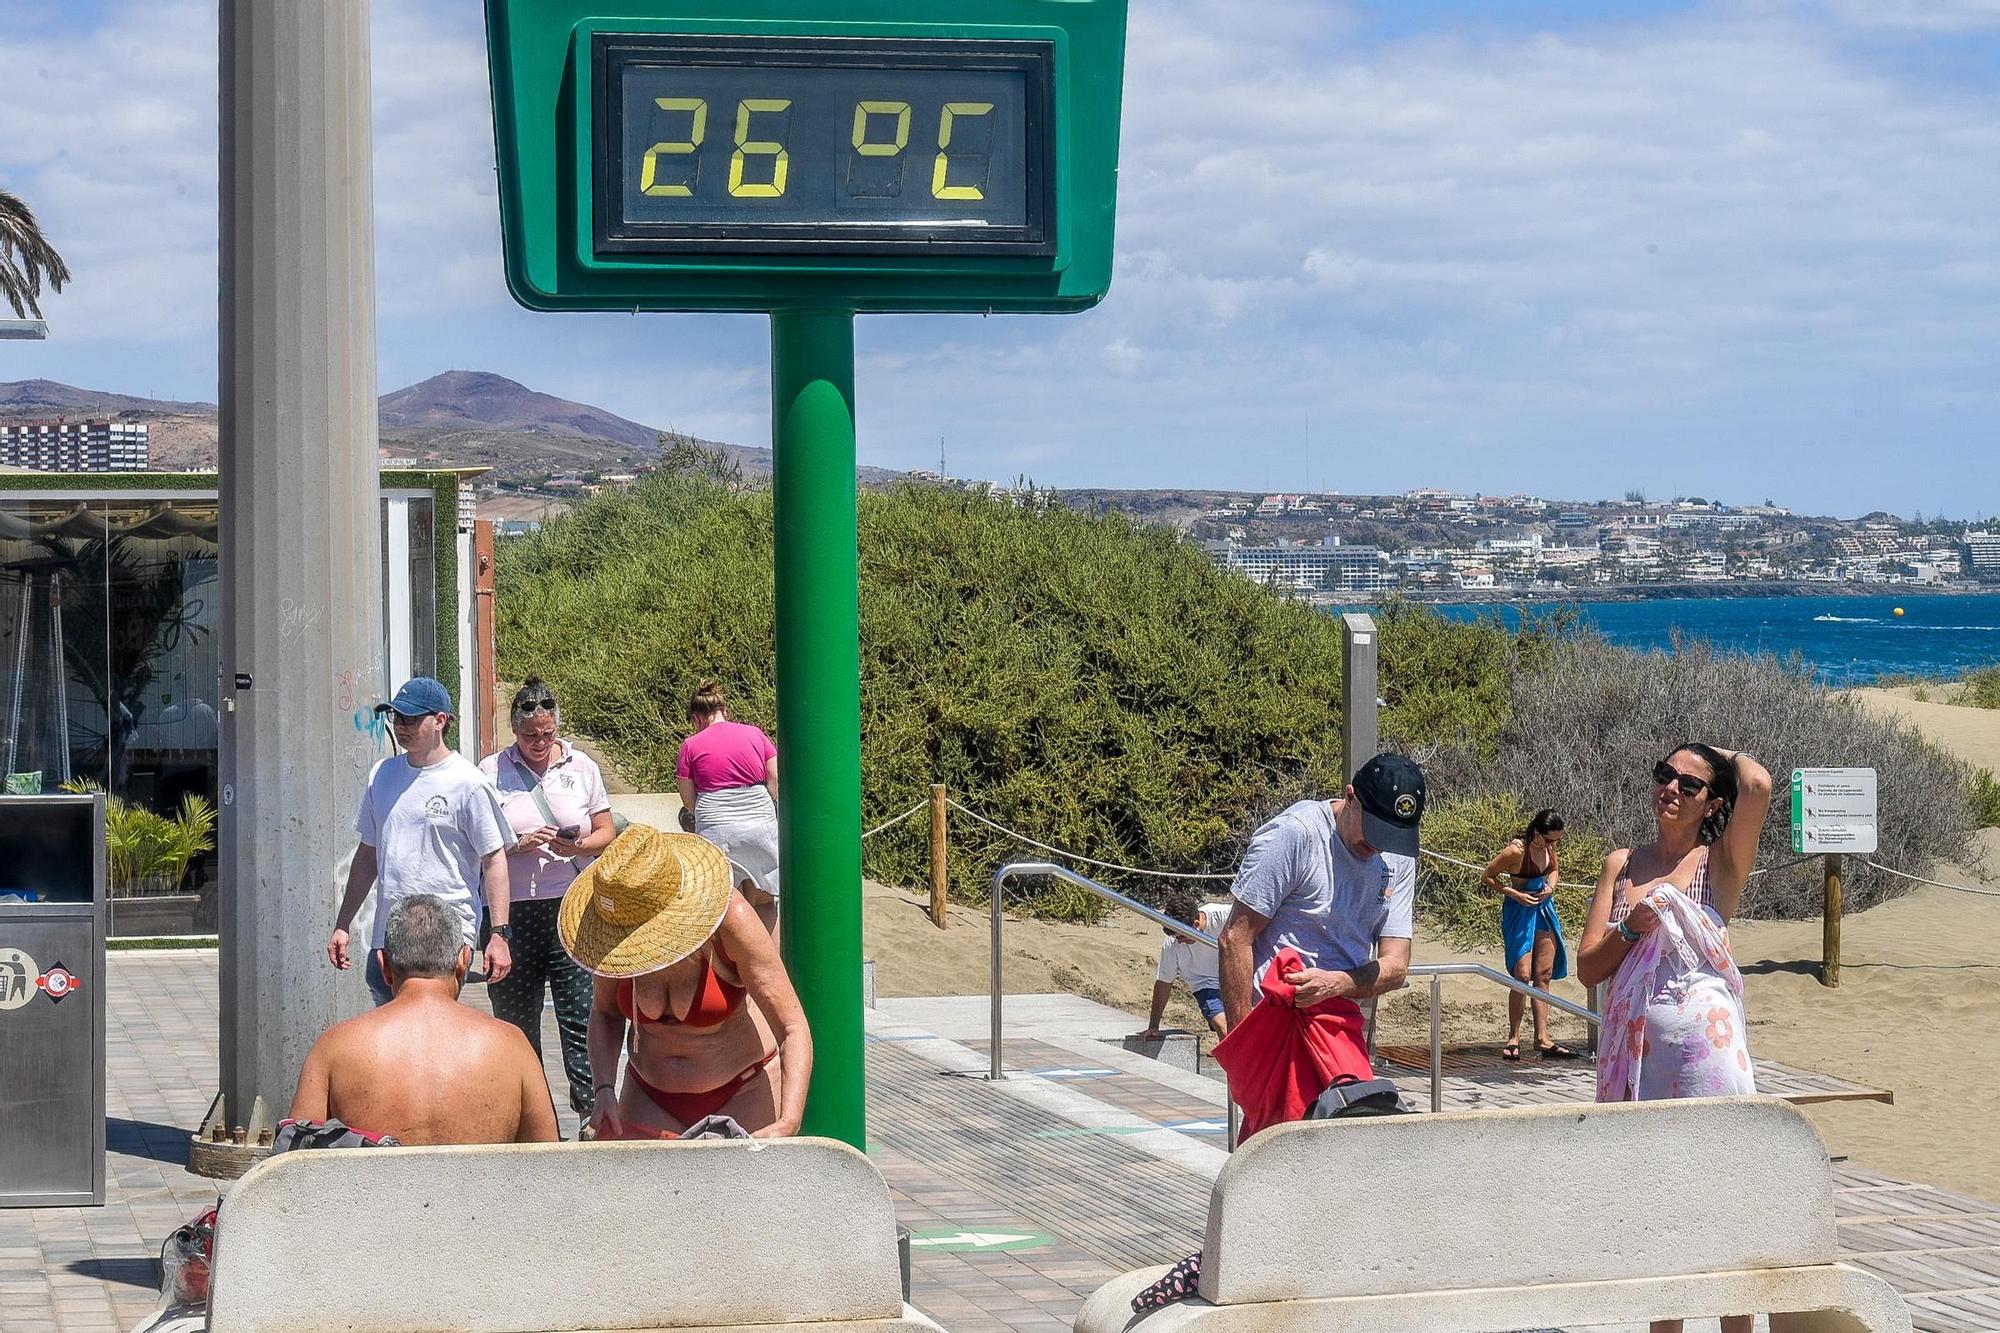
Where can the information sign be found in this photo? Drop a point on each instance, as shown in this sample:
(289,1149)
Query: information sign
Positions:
(1833,810)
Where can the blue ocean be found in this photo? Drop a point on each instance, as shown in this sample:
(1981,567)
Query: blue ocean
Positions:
(1848,640)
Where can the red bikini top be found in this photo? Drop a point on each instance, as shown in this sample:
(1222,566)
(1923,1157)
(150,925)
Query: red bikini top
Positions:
(715,1000)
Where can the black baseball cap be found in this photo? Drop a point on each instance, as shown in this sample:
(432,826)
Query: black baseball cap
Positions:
(1390,788)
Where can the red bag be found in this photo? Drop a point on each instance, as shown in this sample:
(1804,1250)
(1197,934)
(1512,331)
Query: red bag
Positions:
(1280,1059)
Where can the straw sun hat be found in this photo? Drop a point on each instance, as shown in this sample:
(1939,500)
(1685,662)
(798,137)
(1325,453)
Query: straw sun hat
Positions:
(649,901)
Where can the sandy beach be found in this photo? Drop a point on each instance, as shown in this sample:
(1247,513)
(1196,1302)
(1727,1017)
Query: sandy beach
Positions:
(1917,1013)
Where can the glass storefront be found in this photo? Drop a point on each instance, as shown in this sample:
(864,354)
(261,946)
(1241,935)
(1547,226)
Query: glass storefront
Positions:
(109,641)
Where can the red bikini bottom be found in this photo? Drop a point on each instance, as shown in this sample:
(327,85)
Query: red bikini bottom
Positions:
(688,1107)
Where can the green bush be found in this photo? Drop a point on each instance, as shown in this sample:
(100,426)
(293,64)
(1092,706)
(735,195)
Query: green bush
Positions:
(1985,799)
(1093,684)
(1446,682)
(1982,688)
(1453,899)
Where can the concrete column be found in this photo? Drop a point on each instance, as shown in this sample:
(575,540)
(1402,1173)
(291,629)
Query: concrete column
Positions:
(301,527)
(1360,734)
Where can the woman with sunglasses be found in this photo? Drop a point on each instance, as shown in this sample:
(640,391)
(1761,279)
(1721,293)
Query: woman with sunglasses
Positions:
(554,798)
(1658,931)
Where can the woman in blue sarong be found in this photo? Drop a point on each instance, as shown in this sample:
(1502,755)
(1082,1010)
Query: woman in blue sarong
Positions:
(1530,868)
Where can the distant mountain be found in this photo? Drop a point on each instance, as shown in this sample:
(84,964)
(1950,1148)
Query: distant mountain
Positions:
(46,398)
(477,400)
(466,418)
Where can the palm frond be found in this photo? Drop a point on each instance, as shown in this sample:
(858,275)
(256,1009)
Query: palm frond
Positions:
(27,260)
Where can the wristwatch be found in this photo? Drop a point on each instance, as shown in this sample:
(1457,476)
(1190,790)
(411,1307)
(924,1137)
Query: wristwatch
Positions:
(506,933)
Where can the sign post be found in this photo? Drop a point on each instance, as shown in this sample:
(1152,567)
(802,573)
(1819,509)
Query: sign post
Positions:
(811,159)
(819,698)
(1833,813)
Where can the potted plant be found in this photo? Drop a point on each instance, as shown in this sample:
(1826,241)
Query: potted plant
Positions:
(146,856)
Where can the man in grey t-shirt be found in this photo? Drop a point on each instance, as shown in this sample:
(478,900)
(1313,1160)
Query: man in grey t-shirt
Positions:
(1335,880)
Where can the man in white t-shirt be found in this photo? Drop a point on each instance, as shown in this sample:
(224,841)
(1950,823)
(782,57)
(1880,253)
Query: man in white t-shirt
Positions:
(430,822)
(1192,963)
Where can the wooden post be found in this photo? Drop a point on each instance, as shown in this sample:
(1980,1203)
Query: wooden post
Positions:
(484,639)
(1829,974)
(940,854)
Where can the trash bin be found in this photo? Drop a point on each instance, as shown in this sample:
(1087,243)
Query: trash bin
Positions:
(52,919)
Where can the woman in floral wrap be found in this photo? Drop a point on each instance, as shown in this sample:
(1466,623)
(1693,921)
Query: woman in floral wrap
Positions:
(1658,931)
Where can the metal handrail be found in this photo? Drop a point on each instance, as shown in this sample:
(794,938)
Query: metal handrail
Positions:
(1022,869)
(1438,971)
(1435,972)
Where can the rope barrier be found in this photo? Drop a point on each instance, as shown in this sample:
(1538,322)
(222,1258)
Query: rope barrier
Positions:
(920,805)
(1785,865)
(1435,856)
(1935,883)
(1073,856)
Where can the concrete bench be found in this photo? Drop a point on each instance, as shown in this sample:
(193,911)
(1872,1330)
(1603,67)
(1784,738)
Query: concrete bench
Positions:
(1487,1221)
(557,1238)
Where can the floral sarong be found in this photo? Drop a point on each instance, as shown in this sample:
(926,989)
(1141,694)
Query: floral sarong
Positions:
(1673,1017)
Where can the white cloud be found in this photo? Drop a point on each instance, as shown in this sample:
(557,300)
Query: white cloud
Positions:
(102,138)
(1750,226)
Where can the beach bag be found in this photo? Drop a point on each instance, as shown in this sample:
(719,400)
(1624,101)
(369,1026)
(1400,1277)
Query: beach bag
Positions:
(1348,1096)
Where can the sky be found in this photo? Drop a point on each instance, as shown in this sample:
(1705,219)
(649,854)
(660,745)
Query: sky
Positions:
(1743,249)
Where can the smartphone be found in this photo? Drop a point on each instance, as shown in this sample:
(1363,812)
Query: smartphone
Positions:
(568,832)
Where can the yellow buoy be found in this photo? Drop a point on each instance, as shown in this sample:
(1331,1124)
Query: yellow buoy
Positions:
(1898,611)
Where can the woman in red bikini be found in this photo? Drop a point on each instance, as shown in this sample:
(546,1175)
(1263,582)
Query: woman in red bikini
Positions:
(679,956)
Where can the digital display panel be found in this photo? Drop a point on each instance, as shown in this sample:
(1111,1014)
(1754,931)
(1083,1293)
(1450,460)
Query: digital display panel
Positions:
(876,146)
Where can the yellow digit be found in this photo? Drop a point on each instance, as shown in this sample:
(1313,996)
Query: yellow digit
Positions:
(772,148)
(649,166)
(863,110)
(952,111)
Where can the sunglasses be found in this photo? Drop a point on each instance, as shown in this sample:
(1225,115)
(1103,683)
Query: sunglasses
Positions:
(536,705)
(1664,773)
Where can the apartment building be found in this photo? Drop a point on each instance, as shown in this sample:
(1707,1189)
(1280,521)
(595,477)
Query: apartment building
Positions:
(74,446)
(1326,568)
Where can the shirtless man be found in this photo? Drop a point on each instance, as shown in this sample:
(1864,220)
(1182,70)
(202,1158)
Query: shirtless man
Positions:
(423,1067)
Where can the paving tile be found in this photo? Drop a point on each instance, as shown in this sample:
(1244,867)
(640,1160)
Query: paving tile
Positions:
(957,1154)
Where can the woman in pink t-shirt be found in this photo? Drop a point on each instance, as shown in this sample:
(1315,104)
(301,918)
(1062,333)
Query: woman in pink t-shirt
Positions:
(728,777)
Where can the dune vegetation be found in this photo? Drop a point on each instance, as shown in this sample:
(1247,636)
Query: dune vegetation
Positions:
(1101,687)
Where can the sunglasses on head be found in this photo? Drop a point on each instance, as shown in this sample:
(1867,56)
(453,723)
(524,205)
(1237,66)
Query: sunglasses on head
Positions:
(1664,773)
(536,705)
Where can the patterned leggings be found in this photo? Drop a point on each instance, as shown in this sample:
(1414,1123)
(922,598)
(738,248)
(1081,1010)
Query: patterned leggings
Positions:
(539,961)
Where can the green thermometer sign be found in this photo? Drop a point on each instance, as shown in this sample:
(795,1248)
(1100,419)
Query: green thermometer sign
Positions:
(811,159)
(868,155)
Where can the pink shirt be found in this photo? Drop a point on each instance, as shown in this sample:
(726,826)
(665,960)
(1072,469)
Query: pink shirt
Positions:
(725,754)
(574,789)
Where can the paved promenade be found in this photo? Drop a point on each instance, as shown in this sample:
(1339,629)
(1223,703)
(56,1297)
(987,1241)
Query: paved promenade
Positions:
(1023,1196)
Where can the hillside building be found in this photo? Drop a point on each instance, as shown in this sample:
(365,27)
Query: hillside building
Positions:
(74,446)
(1982,552)
(1326,568)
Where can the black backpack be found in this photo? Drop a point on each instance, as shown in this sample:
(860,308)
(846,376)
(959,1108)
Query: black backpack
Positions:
(1351,1096)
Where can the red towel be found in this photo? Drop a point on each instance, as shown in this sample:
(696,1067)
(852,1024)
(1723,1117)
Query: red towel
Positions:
(1280,1059)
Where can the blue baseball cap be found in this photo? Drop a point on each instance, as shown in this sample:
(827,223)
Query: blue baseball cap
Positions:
(418,698)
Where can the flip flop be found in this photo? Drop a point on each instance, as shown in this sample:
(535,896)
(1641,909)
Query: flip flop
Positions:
(1555,1050)
(1510,1050)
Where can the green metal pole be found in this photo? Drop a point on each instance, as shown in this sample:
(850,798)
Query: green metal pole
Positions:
(819,701)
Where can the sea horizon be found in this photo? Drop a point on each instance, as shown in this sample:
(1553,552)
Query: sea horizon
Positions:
(1848,639)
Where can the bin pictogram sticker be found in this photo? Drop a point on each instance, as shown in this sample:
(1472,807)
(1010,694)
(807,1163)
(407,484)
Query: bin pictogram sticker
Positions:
(20,978)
